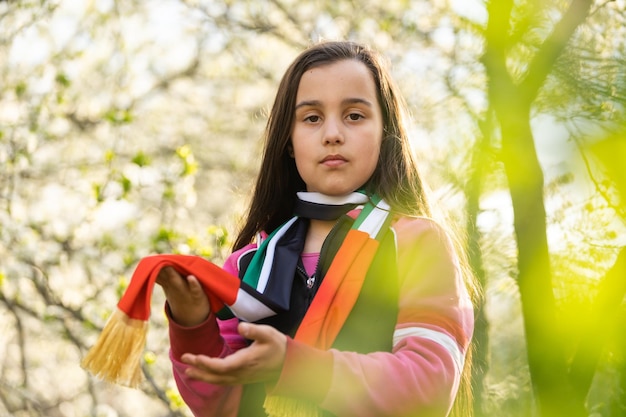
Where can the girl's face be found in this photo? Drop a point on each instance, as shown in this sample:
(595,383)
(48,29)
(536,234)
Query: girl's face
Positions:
(338,127)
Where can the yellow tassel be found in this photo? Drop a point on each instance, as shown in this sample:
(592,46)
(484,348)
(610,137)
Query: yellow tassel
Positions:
(116,356)
(276,406)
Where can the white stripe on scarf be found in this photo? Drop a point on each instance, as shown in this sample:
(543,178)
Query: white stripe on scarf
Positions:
(376,219)
(269,255)
(333,200)
(248,308)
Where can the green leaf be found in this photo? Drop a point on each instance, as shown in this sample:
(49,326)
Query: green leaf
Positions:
(20,88)
(126,184)
(190,166)
(118,116)
(141,159)
(97,191)
(109,155)
(149,358)
(62,80)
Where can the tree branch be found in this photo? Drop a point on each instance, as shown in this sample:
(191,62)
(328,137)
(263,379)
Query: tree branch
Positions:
(552,47)
(598,184)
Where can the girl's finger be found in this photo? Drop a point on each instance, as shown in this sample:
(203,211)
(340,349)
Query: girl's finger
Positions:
(194,284)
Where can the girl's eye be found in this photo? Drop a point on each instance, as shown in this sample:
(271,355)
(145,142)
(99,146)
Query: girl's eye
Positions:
(355,116)
(312,119)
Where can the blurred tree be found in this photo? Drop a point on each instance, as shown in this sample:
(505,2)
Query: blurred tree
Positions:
(524,41)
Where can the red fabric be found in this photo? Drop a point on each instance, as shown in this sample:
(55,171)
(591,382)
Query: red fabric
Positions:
(220,286)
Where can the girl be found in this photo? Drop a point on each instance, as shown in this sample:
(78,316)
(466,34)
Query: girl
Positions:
(372,314)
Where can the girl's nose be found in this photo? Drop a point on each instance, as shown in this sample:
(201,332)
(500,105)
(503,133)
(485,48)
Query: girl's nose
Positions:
(333,133)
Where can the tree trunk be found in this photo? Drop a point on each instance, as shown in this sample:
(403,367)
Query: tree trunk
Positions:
(546,355)
(512,100)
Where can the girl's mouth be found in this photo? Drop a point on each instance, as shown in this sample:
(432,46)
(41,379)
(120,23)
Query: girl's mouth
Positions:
(334,160)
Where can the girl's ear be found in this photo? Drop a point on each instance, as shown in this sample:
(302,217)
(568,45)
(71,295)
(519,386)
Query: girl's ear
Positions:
(290,150)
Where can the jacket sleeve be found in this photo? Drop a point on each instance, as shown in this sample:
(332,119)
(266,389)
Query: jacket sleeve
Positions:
(421,375)
(216,338)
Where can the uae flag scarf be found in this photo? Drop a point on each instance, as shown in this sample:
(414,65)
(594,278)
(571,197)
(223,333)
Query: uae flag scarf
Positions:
(264,290)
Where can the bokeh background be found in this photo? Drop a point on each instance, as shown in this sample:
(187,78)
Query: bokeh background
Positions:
(129,128)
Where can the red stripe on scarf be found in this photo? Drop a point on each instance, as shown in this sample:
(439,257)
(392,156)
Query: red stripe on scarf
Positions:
(339,291)
(220,286)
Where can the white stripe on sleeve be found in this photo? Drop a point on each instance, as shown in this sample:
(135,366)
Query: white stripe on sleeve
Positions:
(443,339)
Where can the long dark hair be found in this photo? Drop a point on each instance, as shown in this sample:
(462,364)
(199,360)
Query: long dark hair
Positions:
(396,178)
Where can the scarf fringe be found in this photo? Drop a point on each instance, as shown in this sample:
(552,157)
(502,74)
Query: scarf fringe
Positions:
(116,355)
(276,406)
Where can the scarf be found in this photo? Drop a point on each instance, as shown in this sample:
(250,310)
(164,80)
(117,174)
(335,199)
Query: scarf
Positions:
(336,295)
(116,355)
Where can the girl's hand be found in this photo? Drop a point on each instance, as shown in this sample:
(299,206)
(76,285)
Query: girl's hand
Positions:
(262,361)
(188,303)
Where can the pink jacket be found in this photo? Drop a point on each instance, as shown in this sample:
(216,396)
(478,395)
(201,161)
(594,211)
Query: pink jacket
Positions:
(420,376)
